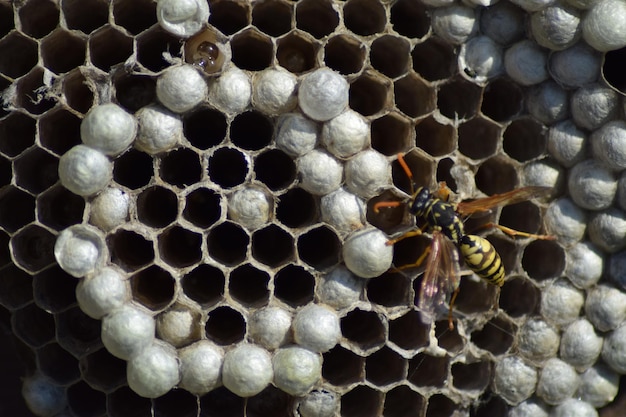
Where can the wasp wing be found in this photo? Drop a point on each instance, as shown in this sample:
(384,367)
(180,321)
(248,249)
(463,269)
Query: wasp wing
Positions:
(467,208)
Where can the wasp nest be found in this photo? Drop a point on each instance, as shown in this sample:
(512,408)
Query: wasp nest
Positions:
(187,205)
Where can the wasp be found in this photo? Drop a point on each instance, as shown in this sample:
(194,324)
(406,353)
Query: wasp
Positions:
(445,223)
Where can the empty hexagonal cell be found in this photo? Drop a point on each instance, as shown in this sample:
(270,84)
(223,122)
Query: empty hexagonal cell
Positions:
(391,134)
(450,340)
(370,94)
(403,401)
(78,96)
(345,54)
(251,130)
(384,367)
(390,219)
(33,325)
(180,247)
(475,297)
(428,371)
(435,138)
(32,248)
(294,285)
(296,208)
(365,17)
(77,332)
(408,251)
(413,96)
(229,16)
(157,206)
(7,20)
(271,401)
(519,297)
(252,50)
(59,208)
(409,332)
(296,52)
(108,47)
(181,167)
(272,17)
(29,92)
(524,139)
(17,208)
(342,367)
(39,179)
(152,44)
(272,246)
(176,403)
(543,259)
(410,19)
(103,371)
(225,326)
(361,401)
(228,243)
(130,250)
(85,16)
(16,287)
(58,364)
(319,247)
(6,173)
(319,18)
(275,169)
(59,131)
(124,402)
(492,406)
(444,173)
(496,336)
(389,290)
(54,289)
(17,133)
(220,401)
(478,138)
(23,53)
(363,328)
(205,128)
(248,285)
(134,91)
(133,169)
(153,287)
(134,15)
(204,284)
(228,167)
(63,51)
(85,401)
(524,216)
(458,99)
(472,376)
(502,99)
(202,207)
(433,59)
(439,405)
(496,175)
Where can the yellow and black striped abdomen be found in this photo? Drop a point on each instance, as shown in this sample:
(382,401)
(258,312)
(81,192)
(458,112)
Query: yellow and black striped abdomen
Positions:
(481,257)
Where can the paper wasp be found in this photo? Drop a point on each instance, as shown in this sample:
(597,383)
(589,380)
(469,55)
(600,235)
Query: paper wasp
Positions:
(444,221)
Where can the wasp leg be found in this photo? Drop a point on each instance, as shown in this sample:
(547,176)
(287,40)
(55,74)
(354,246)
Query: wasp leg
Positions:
(410,233)
(513,232)
(444,192)
(415,264)
(452,300)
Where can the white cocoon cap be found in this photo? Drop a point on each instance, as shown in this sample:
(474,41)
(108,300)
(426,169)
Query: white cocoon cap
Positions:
(108,128)
(296,370)
(181,88)
(109,209)
(182,17)
(367,254)
(80,249)
(323,94)
(247,370)
(316,328)
(274,91)
(270,327)
(84,170)
(127,331)
(201,367)
(159,129)
(101,293)
(231,92)
(153,371)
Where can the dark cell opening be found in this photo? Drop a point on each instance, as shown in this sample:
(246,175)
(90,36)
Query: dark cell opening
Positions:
(275,169)
(294,286)
(251,130)
(133,169)
(205,284)
(130,250)
(181,168)
(228,167)
(225,326)
(319,248)
(205,128)
(296,208)
(248,285)
(228,244)
(153,287)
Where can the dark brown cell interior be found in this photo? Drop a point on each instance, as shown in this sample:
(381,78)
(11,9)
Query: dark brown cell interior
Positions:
(435,138)
(181,168)
(270,402)
(23,53)
(63,51)
(428,371)
(33,248)
(440,406)
(85,15)
(134,91)
(78,95)
(502,99)
(228,167)
(543,259)
(275,169)
(478,138)
(294,285)
(248,285)
(134,15)
(5,253)
(413,97)
(447,339)
(180,247)
(124,402)
(204,284)
(402,401)
(492,406)
(153,287)
(228,244)
(17,208)
(342,367)
(496,176)
(36,180)
(58,364)
(364,17)
(409,332)
(344,54)
(421,167)
(384,367)
(613,69)
(272,246)
(319,248)
(77,332)
(205,128)
(17,133)
(103,371)
(361,401)
(410,19)
(130,250)
(6,173)
(296,208)
(222,402)
(387,219)
(225,326)
(523,217)
(296,53)
(317,17)
(33,325)
(519,297)
(6,19)
(272,17)
(390,289)
(229,16)
(444,167)
(524,140)
(29,93)
(176,403)
(475,296)
(202,207)
(152,44)
(473,376)
(496,336)
(39,17)
(369,95)
(59,131)
(390,134)
(251,130)
(54,289)
(433,59)
(364,328)
(458,99)
(157,206)
(85,401)
(252,51)
(133,169)
(16,288)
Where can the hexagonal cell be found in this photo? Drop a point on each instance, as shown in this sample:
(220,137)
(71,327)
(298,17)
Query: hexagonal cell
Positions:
(7,21)
(519,297)
(342,367)
(476,296)
(389,290)
(294,286)
(30,93)
(202,207)
(39,179)
(32,248)
(205,128)
(134,91)
(363,328)
(384,367)
(391,134)
(33,325)
(319,18)
(133,169)
(458,99)
(444,173)
(296,52)
(472,376)
(421,165)
(59,130)
(229,16)
(364,17)
(478,138)
(410,19)
(153,287)
(402,401)
(54,289)
(85,15)
(85,401)
(413,96)
(524,139)
(130,250)
(492,406)
(176,403)
(502,100)
(496,175)
(272,246)
(275,169)
(252,50)
(319,247)
(180,167)
(390,220)
(103,371)
(270,402)
(6,173)
(433,59)
(157,206)
(58,364)
(151,45)
(428,371)
(251,130)
(439,405)
(17,133)
(204,284)
(180,247)
(543,259)
(108,47)
(63,51)
(296,208)
(497,335)
(77,93)
(78,333)
(228,243)
(370,94)
(228,167)
(16,287)
(124,402)
(447,339)
(17,208)
(435,138)
(248,285)
(345,54)
(524,216)
(23,53)
(409,332)
(361,401)
(225,326)
(59,208)
(272,17)
(134,15)
(220,401)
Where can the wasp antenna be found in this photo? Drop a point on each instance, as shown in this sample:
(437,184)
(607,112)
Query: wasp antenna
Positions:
(407,171)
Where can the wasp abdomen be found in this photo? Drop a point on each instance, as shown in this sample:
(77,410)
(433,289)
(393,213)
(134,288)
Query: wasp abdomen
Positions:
(481,257)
